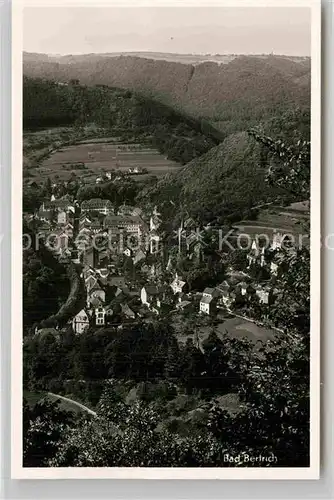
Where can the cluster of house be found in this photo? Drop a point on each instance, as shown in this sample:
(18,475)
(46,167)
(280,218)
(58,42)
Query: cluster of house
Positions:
(76,232)
(137,170)
(112,299)
(160,298)
(175,295)
(225,294)
(262,254)
(108,176)
(101,284)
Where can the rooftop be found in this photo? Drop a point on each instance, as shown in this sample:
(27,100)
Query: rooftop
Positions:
(206,300)
(121,220)
(96,203)
(154,290)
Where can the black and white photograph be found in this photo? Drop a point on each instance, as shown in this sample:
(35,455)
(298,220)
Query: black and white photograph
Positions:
(168,188)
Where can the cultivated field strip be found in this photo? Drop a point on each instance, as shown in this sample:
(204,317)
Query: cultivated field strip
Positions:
(106,156)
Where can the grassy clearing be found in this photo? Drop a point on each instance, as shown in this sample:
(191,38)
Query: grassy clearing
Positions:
(101,156)
(240,328)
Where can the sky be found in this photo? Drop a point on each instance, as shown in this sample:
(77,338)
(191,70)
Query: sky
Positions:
(182,30)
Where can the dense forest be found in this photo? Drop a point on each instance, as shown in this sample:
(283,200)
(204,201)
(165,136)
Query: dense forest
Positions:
(231,96)
(122,112)
(45,281)
(226,183)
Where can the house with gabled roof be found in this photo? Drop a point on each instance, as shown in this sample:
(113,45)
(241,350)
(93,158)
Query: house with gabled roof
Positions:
(90,282)
(128,223)
(96,297)
(80,322)
(117,281)
(127,311)
(139,256)
(152,296)
(178,285)
(264,293)
(209,300)
(45,213)
(61,204)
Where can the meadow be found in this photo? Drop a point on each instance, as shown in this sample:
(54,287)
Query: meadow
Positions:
(102,156)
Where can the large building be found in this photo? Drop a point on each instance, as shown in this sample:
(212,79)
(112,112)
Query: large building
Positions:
(97,205)
(132,225)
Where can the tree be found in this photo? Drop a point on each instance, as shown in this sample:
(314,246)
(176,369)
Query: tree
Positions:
(44,428)
(290,169)
(276,389)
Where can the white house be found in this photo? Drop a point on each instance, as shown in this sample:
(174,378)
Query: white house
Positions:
(155,222)
(80,322)
(62,217)
(154,242)
(263,293)
(277,241)
(100,316)
(208,302)
(256,252)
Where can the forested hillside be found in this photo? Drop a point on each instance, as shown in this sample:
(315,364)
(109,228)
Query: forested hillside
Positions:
(45,283)
(225,183)
(123,112)
(223,177)
(233,95)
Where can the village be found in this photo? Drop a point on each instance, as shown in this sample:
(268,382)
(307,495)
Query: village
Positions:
(130,275)
(162,312)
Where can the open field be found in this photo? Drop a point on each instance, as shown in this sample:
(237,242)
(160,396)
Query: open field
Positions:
(102,156)
(241,328)
(286,220)
(235,327)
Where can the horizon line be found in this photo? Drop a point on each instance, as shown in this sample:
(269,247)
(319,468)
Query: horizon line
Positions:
(52,54)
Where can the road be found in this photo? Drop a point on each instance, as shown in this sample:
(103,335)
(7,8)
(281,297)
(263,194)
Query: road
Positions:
(75,403)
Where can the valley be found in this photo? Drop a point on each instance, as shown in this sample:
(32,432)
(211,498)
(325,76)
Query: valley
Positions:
(98,157)
(136,310)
